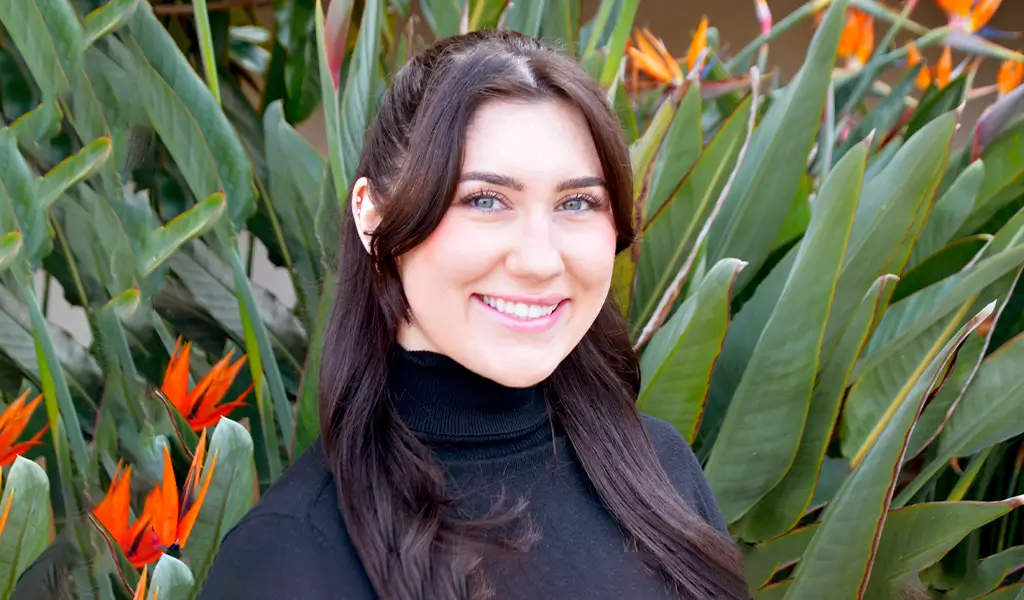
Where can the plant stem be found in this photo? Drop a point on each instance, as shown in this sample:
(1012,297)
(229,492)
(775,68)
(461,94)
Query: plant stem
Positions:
(206,47)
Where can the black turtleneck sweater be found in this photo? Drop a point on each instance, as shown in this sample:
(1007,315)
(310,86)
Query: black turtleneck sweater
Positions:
(490,438)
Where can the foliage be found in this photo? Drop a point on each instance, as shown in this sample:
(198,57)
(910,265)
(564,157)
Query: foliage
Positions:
(825,296)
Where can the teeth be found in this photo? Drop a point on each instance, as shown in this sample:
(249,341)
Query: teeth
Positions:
(518,309)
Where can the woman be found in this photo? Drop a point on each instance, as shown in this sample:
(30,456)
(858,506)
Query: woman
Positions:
(478,388)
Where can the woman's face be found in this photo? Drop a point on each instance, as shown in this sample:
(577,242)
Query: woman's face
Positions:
(521,264)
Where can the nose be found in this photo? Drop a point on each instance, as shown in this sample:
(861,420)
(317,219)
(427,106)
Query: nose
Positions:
(536,255)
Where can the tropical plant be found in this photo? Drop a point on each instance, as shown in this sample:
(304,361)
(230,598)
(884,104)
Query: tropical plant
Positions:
(825,296)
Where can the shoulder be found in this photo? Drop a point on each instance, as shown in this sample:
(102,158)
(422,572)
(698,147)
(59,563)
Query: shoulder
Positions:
(293,538)
(684,470)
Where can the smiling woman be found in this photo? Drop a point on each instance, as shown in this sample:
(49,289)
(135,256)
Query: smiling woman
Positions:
(478,388)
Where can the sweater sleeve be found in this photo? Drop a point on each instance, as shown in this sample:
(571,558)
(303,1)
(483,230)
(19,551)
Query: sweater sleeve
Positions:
(273,556)
(685,471)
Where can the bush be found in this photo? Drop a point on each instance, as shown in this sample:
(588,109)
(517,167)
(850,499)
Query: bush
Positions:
(825,295)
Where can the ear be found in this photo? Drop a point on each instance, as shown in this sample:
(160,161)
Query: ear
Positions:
(364,210)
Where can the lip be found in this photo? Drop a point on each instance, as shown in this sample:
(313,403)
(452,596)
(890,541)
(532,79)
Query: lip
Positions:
(539,324)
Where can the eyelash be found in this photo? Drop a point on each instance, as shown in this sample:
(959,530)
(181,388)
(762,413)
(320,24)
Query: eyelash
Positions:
(497,196)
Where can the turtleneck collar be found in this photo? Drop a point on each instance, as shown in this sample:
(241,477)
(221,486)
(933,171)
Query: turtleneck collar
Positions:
(441,400)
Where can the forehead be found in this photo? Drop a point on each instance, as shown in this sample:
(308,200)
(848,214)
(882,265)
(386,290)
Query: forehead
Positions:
(533,141)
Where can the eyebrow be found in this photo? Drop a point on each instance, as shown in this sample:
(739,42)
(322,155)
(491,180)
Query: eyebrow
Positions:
(515,184)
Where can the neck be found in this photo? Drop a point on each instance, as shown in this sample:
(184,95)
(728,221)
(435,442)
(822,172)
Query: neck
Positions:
(441,400)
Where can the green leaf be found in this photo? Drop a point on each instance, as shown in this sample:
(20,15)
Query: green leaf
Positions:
(888,218)
(987,575)
(71,170)
(443,16)
(989,412)
(171,580)
(307,420)
(669,237)
(951,210)
(761,432)
(228,498)
(10,245)
(107,18)
(760,562)
(943,263)
(1004,177)
(616,48)
(680,149)
(561,24)
(838,560)
(776,161)
(40,123)
(920,535)
(330,101)
(17,199)
(49,37)
(206,52)
(883,117)
(782,507)
(676,366)
(296,176)
(358,102)
(936,104)
(168,239)
(27,528)
(188,118)
(526,16)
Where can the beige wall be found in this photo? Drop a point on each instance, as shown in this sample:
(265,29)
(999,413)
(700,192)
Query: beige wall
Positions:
(673,21)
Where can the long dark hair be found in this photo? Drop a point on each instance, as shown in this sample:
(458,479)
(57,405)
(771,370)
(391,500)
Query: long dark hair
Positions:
(391,489)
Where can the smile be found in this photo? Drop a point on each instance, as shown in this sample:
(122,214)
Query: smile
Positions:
(519,310)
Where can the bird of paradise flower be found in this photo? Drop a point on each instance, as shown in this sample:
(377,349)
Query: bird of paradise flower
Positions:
(168,515)
(201,406)
(13,422)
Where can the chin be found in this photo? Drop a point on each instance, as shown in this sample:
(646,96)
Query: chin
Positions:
(514,373)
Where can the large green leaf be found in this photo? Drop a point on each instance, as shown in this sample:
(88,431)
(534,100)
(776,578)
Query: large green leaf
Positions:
(990,410)
(228,498)
(888,218)
(296,176)
(920,535)
(951,210)
(49,37)
(783,506)
(761,432)
(10,246)
(168,239)
(107,19)
(680,148)
(358,102)
(329,89)
(71,170)
(171,580)
(676,366)
(669,237)
(838,560)
(987,575)
(526,16)
(776,161)
(913,538)
(616,48)
(443,16)
(26,530)
(188,119)
(945,262)
(561,24)
(1004,177)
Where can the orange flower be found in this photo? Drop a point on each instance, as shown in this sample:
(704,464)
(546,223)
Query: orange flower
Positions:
(914,58)
(167,517)
(13,421)
(944,70)
(1011,74)
(140,590)
(969,15)
(697,45)
(201,407)
(650,56)
(858,38)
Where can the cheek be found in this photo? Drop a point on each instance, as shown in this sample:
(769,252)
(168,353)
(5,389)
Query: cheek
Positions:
(590,255)
(448,261)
